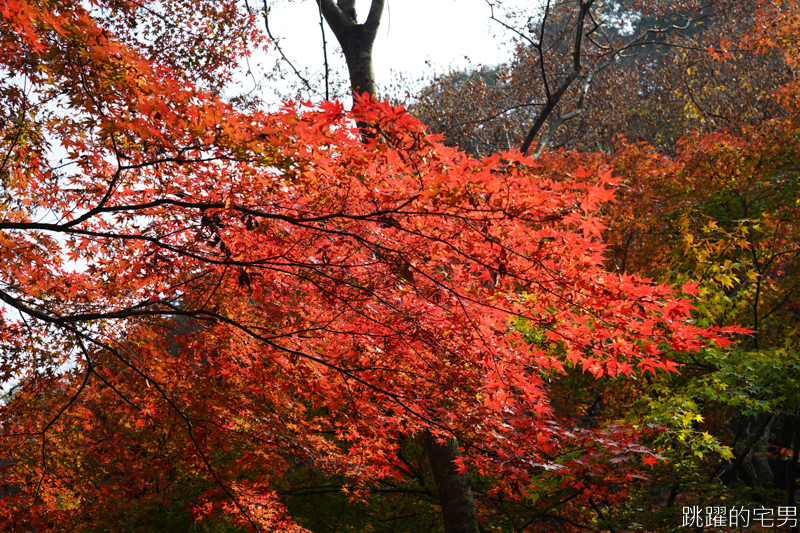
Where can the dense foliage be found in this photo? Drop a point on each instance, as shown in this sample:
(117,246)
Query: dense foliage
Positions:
(220,317)
(701,129)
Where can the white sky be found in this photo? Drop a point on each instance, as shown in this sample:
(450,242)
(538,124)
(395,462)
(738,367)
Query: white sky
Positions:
(447,34)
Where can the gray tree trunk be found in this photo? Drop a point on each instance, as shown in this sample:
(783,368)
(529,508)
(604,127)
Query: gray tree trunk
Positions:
(455,490)
(355,39)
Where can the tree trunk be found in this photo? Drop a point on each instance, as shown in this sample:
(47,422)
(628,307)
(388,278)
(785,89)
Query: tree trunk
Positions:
(355,39)
(455,490)
(357,50)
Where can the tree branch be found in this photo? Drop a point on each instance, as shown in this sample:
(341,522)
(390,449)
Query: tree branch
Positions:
(374,18)
(555,98)
(336,19)
(324,54)
(280,50)
(561,119)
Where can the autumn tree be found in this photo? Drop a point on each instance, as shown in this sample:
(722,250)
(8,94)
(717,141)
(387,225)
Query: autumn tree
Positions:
(646,62)
(707,164)
(645,73)
(196,294)
(713,200)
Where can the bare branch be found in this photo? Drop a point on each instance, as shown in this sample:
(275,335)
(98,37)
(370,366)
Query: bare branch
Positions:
(280,50)
(336,19)
(571,77)
(496,115)
(561,119)
(324,54)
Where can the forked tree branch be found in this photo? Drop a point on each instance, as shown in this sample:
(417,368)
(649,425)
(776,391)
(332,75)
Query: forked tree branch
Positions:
(579,107)
(355,39)
(644,37)
(554,98)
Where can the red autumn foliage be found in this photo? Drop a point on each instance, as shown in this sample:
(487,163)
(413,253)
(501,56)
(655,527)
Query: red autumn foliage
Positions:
(197,295)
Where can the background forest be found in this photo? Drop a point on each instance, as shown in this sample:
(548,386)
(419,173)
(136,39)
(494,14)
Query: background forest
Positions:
(556,294)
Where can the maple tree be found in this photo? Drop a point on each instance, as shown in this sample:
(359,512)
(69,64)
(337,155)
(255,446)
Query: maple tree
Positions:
(195,295)
(707,169)
(722,211)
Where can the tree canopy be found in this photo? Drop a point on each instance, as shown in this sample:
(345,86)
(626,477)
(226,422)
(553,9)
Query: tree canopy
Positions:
(202,298)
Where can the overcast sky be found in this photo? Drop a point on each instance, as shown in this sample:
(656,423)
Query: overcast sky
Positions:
(417,38)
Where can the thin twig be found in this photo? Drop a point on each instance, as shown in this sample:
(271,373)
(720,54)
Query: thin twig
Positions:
(280,50)
(324,52)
